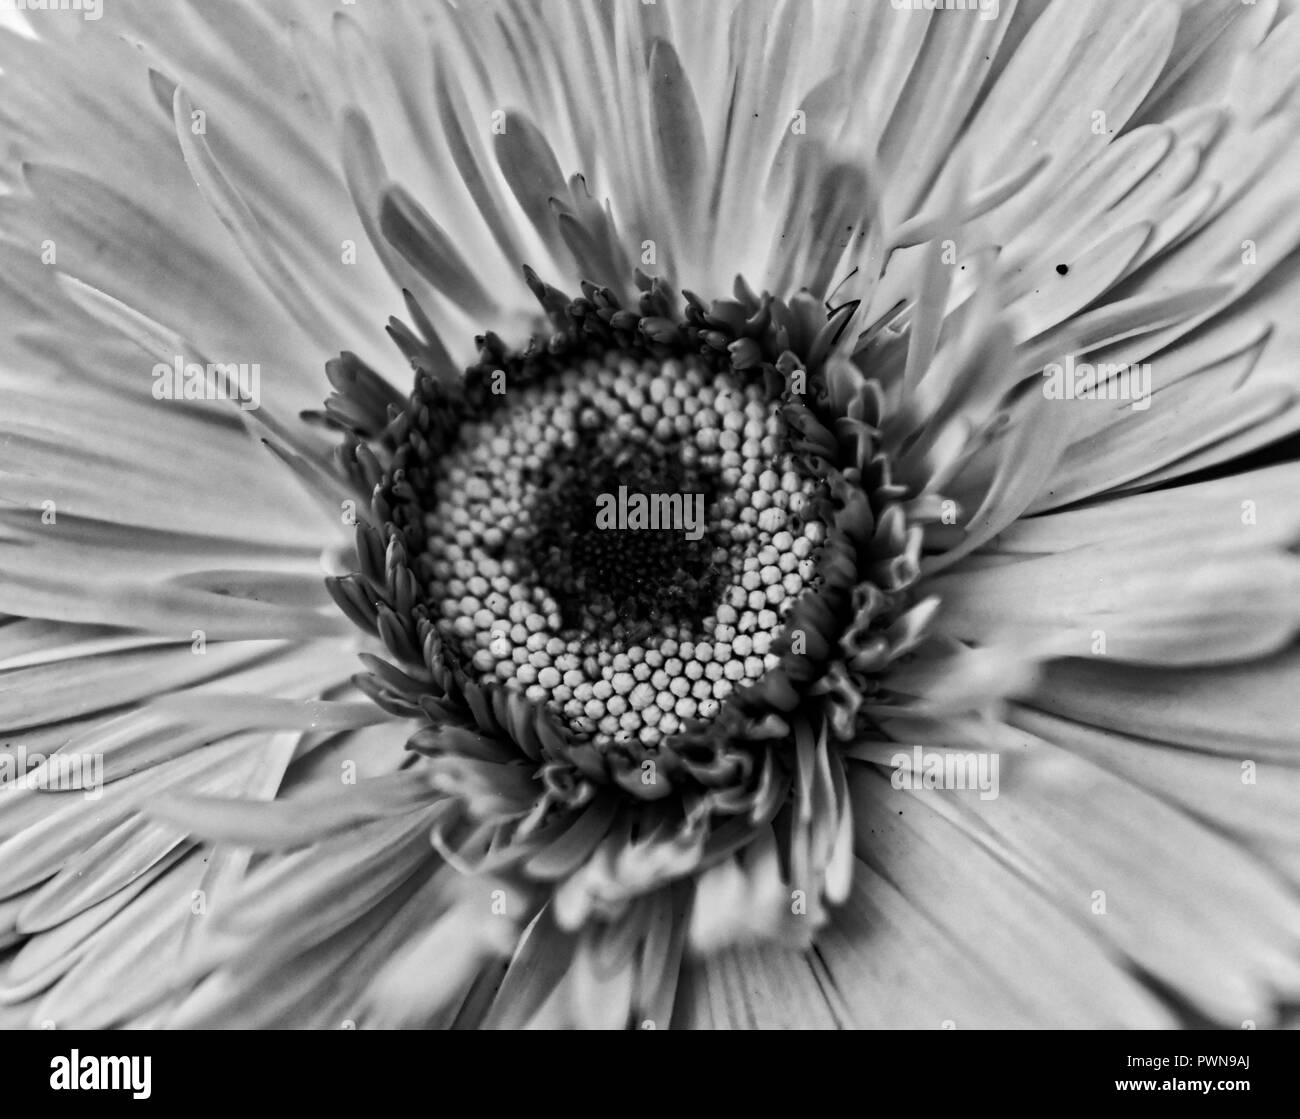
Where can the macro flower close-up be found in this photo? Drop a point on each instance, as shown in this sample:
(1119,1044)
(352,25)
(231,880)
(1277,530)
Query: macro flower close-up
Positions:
(645,514)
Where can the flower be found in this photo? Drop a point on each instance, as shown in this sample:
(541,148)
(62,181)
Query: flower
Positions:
(955,689)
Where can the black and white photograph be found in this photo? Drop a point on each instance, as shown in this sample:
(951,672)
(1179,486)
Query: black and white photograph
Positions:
(650,515)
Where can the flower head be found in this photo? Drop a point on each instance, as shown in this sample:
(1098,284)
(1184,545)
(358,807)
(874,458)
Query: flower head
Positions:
(793,575)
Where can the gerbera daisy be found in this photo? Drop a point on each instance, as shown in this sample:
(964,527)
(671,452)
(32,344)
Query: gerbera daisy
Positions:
(780,546)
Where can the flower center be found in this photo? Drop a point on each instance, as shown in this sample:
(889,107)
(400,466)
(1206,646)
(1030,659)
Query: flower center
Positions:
(621,542)
(649,553)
